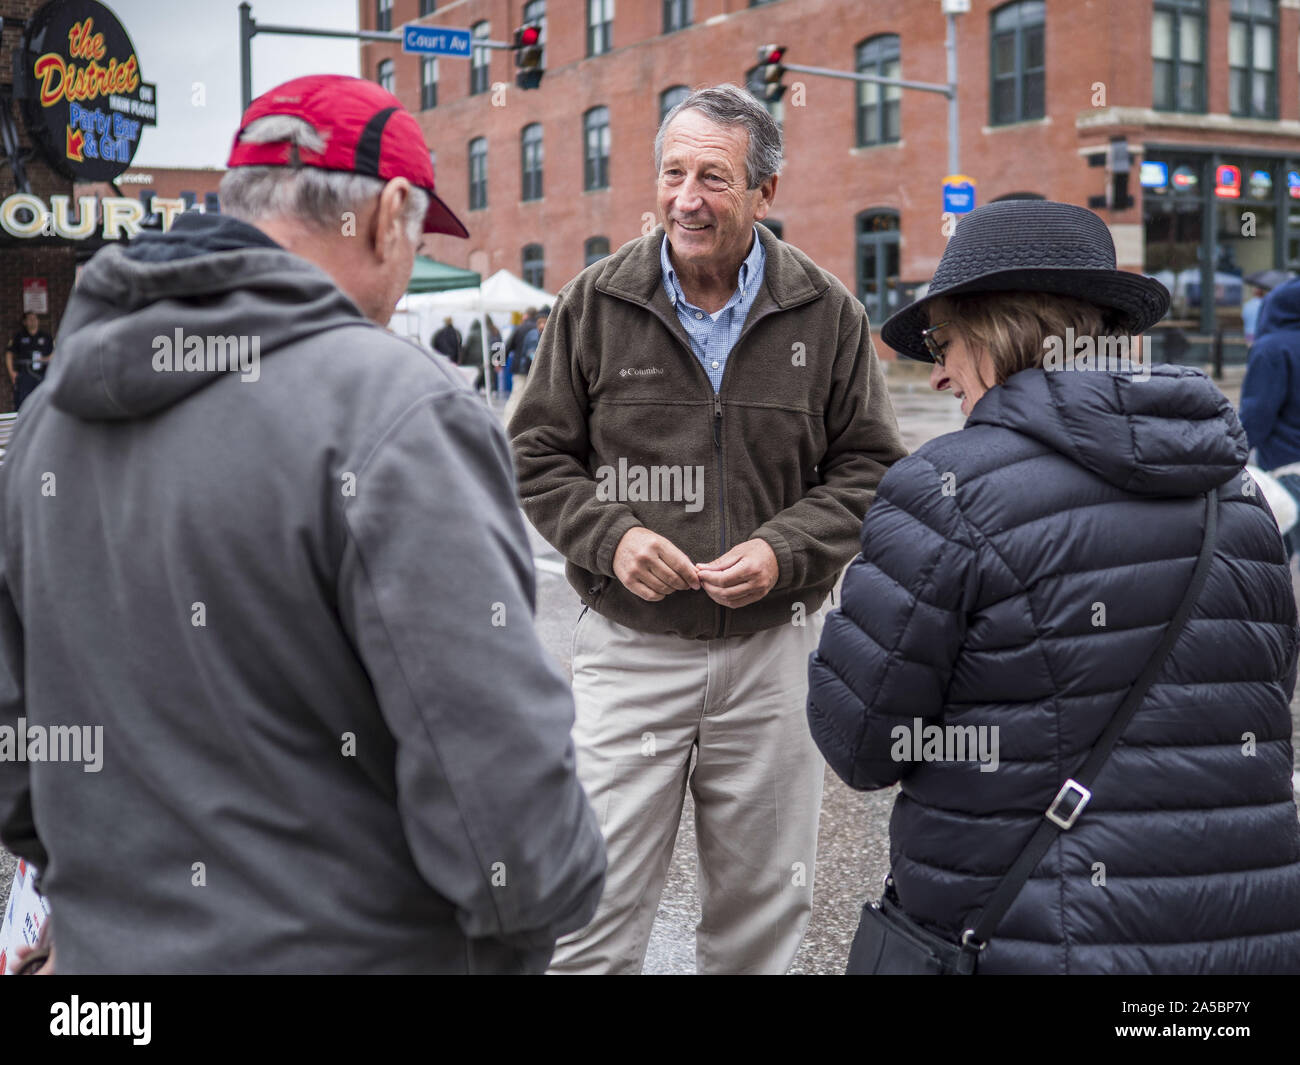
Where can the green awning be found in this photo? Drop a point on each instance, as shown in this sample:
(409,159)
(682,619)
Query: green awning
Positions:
(430,275)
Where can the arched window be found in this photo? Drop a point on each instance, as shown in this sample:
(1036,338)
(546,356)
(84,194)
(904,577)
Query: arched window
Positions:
(534,267)
(595,148)
(479,60)
(530,150)
(1018,62)
(594,249)
(879,118)
(1252,59)
(877,257)
(670,98)
(384,74)
(477,173)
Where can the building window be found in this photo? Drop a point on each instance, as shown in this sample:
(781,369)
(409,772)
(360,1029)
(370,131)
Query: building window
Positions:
(190,199)
(595,136)
(477,173)
(878,287)
(600,26)
(594,249)
(879,119)
(670,98)
(530,150)
(428,82)
(1252,59)
(677,15)
(428,7)
(146,195)
(384,74)
(1018,62)
(211,203)
(1178,55)
(534,266)
(756,86)
(383,14)
(535,11)
(478,61)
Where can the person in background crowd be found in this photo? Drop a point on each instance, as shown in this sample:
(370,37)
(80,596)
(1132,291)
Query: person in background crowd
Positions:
(1250,313)
(326,748)
(727,369)
(1016,577)
(523,357)
(446,341)
(28,357)
(1270,393)
(474,350)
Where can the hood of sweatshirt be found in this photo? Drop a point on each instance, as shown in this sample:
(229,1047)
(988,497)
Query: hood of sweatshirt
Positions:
(152,322)
(1173,434)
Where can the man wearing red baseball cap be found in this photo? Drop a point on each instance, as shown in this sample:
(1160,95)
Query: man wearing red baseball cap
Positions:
(273,552)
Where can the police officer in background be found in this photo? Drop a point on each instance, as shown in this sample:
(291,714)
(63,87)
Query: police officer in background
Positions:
(27,356)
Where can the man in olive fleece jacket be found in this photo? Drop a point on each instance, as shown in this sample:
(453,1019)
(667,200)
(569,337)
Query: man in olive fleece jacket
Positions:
(705,426)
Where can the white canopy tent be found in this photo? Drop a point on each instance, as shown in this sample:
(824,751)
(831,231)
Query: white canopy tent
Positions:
(420,314)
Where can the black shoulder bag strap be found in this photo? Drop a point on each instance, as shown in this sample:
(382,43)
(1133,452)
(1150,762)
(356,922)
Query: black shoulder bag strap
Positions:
(1075,793)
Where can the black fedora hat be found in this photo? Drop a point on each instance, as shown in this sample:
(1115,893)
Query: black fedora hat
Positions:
(1033,246)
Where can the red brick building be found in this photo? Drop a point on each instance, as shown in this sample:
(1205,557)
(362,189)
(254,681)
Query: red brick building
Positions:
(1045,87)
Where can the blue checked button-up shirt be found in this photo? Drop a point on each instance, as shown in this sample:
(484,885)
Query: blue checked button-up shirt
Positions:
(714,335)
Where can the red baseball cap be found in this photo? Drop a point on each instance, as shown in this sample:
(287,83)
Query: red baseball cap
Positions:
(365,128)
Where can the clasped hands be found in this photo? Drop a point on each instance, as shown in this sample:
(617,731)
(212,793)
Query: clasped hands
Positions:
(652,567)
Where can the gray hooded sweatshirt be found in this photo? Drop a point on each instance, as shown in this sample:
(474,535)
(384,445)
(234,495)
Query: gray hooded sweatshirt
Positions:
(294,602)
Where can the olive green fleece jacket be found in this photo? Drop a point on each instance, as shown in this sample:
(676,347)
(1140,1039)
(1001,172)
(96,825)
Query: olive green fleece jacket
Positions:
(620,427)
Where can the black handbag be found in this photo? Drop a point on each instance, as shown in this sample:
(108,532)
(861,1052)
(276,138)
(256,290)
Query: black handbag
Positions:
(889,943)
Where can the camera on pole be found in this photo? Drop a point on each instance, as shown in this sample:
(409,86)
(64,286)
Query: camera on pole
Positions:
(528,56)
(769,58)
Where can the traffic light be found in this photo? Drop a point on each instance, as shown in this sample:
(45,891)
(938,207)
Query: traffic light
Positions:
(769,58)
(528,56)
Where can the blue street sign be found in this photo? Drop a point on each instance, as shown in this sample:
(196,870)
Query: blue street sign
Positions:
(958,194)
(435,40)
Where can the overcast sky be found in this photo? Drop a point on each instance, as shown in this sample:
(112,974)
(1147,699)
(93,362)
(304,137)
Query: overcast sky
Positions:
(188,41)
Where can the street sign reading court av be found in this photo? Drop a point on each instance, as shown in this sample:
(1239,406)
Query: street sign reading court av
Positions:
(435,40)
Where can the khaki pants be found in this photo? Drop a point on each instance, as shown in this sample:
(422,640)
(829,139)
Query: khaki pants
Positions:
(644,702)
(517,385)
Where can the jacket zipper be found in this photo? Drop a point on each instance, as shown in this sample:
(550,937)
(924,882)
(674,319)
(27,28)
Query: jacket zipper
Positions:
(722,502)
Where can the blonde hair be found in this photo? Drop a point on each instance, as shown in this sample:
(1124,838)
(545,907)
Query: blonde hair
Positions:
(1011,327)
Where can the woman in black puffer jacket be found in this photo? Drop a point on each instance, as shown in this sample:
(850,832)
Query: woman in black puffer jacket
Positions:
(1017,575)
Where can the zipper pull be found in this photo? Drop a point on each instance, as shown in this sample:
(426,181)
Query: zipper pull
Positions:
(717,421)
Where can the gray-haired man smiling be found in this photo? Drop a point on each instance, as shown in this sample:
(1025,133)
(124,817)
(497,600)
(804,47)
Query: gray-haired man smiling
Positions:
(711,345)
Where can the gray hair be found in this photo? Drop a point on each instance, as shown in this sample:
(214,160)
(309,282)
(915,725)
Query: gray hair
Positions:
(730,105)
(315,197)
